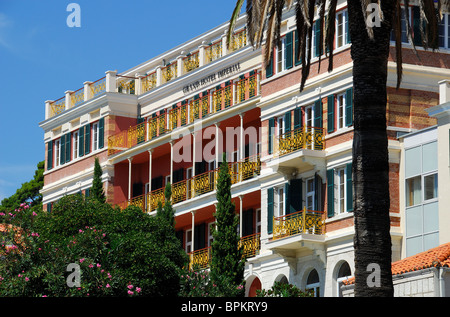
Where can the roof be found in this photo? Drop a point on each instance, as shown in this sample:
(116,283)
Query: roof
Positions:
(436,257)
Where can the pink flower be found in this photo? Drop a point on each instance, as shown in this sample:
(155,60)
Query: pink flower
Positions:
(26,279)
(81,260)
(138,289)
(98,265)
(108,286)
(130,286)
(130,293)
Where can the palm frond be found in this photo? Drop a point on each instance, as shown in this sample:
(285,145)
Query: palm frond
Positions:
(330,33)
(233,20)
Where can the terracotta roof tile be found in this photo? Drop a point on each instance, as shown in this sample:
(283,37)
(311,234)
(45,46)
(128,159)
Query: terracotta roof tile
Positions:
(436,257)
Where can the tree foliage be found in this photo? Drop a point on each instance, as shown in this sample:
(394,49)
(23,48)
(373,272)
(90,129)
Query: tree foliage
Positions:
(227,263)
(97,184)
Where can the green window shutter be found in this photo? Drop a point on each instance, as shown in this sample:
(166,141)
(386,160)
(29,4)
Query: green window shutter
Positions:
(271,131)
(270,210)
(269,68)
(297,55)
(288,53)
(101,132)
(49,155)
(318,114)
(287,199)
(287,121)
(87,192)
(349,183)
(330,193)
(317,51)
(297,118)
(330,110)
(296,195)
(68,146)
(87,139)
(62,153)
(349,107)
(81,142)
(49,207)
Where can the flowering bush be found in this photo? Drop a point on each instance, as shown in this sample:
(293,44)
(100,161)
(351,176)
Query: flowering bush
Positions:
(118,253)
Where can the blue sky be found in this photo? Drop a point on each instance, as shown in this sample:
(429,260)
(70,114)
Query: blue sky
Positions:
(41,57)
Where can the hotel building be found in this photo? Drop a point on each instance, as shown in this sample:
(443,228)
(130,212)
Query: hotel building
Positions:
(170,119)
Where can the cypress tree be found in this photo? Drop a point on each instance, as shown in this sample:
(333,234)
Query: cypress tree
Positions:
(227,263)
(166,211)
(97,185)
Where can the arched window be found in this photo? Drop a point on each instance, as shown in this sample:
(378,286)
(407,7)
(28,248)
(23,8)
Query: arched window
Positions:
(313,283)
(344,273)
(284,280)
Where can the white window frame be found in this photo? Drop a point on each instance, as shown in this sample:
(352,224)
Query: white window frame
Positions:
(338,186)
(258,223)
(340,110)
(188,247)
(281,127)
(446,35)
(75,136)
(344,35)
(57,152)
(280,65)
(310,194)
(309,117)
(279,201)
(95,136)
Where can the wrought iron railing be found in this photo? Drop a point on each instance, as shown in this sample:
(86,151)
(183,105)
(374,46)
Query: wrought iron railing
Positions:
(198,185)
(197,108)
(304,221)
(302,138)
(57,106)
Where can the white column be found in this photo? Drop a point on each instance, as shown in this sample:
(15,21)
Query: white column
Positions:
(171,162)
(48,106)
(192,231)
(110,85)
(193,153)
(202,54)
(240,215)
(150,152)
(87,90)
(217,143)
(241,140)
(444,91)
(68,99)
(129,177)
(138,84)
(180,66)
(224,43)
(158,76)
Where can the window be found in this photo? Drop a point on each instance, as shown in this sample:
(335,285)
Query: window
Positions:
(57,152)
(279,201)
(75,149)
(421,196)
(343,274)
(280,66)
(341,110)
(258,220)
(444,31)
(95,135)
(310,194)
(339,190)
(280,126)
(313,283)
(341,28)
(188,246)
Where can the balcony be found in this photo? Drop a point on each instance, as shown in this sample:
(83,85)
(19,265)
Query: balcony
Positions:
(200,259)
(197,185)
(156,76)
(186,113)
(302,231)
(301,222)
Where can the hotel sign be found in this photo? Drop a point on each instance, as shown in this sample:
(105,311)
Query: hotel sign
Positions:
(212,78)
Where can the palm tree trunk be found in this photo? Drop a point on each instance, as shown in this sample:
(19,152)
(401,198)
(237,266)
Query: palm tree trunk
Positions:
(372,241)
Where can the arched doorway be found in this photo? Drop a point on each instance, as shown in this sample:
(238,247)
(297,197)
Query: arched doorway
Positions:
(256,285)
(343,274)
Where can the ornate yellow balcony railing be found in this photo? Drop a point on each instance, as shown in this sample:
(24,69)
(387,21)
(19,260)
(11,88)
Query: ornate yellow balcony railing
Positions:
(126,85)
(200,259)
(191,62)
(57,106)
(187,112)
(199,184)
(77,97)
(250,245)
(302,138)
(239,40)
(98,87)
(169,72)
(305,221)
(148,82)
(214,51)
